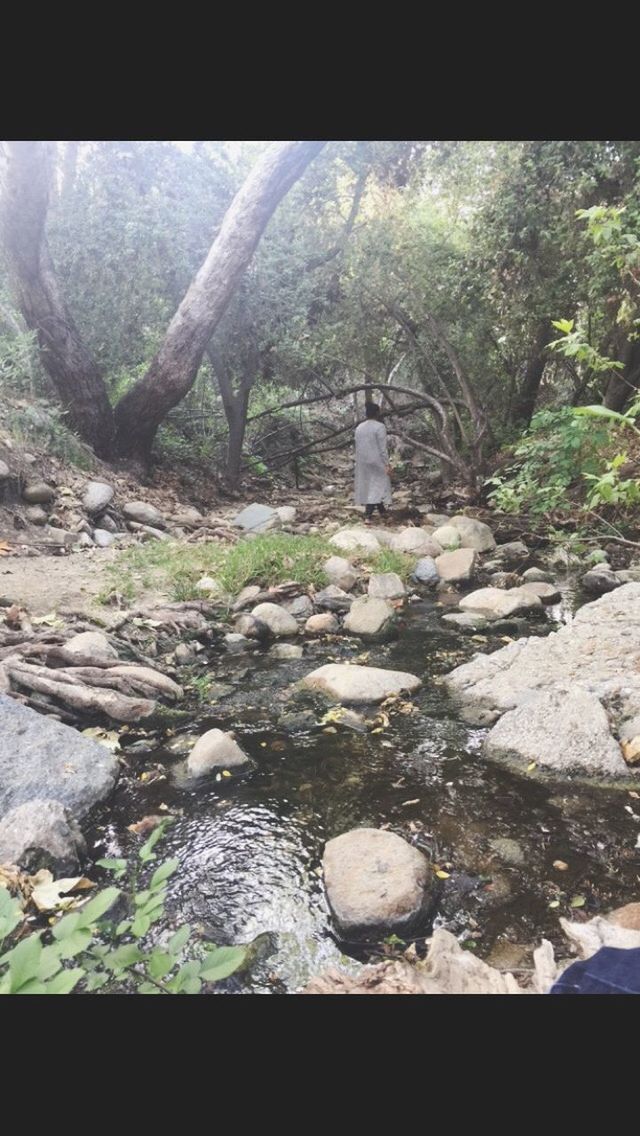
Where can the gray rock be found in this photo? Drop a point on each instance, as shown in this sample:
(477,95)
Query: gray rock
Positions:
(426,572)
(90,643)
(353,684)
(97,496)
(474,534)
(41,834)
(102,538)
(537,576)
(286,651)
(188,517)
(184,654)
(371,618)
(108,524)
(514,552)
(354,539)
(466,621)
(333,598)
(216,750)
(436,520)
(496,603)
(548,593)
(251,628)
(36,515)
(386,586)
(375,881)
(287,514)
(4,471)
(447,536)
(277,619)
(144,514)
(323,624)
(246,597)
(85,541)
(300,608)
(416,542)
(42,759)
(39,493)
(629,575)
(236,644)
(341,573)
(257,518)
(455,567)
(508,850)
(600,579)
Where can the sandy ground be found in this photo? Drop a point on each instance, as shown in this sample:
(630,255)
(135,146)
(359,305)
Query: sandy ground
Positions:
(57,583)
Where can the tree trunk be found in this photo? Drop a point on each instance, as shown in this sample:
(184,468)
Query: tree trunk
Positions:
(525,401)
(236,406)
(173,370)
(74,373)
(624,384)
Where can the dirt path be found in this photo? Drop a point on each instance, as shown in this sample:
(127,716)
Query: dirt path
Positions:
(57,583)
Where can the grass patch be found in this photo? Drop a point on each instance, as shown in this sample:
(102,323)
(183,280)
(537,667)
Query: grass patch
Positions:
(387,561)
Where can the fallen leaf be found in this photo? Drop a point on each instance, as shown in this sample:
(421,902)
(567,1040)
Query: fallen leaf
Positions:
(531,766)
(147,824)
(578,901)
(554,903)
(560,865)
(50,620)
(636,796)
(108,738)
(225,773)
(405,804)
(442,875)
(5,548)
(52,895)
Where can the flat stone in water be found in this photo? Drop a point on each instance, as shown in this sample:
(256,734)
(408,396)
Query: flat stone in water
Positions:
(356,684)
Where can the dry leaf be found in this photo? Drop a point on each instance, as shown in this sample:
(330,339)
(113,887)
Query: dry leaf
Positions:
(560,865)
(53,895)
(631,750)
(147,824)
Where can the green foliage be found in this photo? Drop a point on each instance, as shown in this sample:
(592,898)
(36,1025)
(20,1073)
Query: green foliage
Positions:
(389,561)
(609,488)
(108,956)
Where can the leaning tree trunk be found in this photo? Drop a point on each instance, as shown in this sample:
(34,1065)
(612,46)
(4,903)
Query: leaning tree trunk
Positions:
(524,402)
(74,373)
(173,370)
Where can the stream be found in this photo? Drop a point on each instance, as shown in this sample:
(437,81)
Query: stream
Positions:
(250,850)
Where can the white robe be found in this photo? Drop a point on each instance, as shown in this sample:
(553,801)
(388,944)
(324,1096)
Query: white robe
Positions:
(372,482)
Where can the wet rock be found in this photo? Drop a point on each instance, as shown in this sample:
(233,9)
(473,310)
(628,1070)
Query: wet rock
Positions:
(97,496)
(341,573)
(333,598)
(456,567)
(495,603)
(466,620)
(246,597)
(41,834)
(300,608)
(188,517)
(599,580)
(236,643)
(298,722)
(537,576)
(375,882)
(355,539)
(102,538)
(386,586)
(39,493)
(358,685)
(416,542)
(505,579)
(184,654)
(216,750)
(514,552)
(44,760)
(371,619)
(548,593)
(426,572)
(474,534)
(5,472)
(286,651)
(277,619)
(36,515)
(447,536)
(563,559)
(323,624)
(508,850)
(144,514)
(287,514)
(90,644)
(251,628)
(257,518)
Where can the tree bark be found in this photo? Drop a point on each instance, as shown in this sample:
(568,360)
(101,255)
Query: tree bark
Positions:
(173,370)
(624,384)
(74,373)
(524,403)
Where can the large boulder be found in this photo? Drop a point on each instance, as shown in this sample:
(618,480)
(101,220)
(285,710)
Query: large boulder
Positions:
(257,518)
(600,579)
(97,496)
(448,536)
(499,603)
(386,586)
(277,619)
(457,567)
(351,540)
(474,534)
(416,542)
(354,684)
(41,834)
(89,645)
(144,514)
(375,882)
(216,751)
(340,573)
(371,619)
(40,759)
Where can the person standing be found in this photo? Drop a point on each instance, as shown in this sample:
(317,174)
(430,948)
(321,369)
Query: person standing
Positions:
(372,474)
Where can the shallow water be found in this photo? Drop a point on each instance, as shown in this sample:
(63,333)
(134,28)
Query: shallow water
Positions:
(250,849)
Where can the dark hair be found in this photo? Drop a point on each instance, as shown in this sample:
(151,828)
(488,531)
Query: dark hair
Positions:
(371,410)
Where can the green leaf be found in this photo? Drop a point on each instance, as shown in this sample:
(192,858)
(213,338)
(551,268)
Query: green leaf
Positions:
(148,988)
(145,852)
(222,962)
(119,867)
(24,961)
(50,962)
(563,325)
(65,981)
(34,986)
(124,957)
(179,940)
(163,872)
(123,927)
(140,926)
(578,901)
(98,906)
(75,943)
(10,913)
(94,981)
(66,926)
(160,964)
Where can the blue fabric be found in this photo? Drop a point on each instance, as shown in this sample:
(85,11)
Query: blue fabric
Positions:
(610,971)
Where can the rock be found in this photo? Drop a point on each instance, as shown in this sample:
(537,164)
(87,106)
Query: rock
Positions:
(286,651)
(563,559)
(537,576)
(108,524)
(627,916)
(4,471)
(102,538)
(184,654)
(629,575)
(246,597)
(143,514)
(474,534)
(36,515)
(436,520)
(257,518)
(548,593)
(44,760)
(386,586)
(188,517)
(455,567)
(600,579)
(324,624)
(371,619)
(512,553)
(97,496)
(448,536)
(426,572)
(90,644)
(505,579)
(352,539)
(300,608)
(508,850)
(85,541)
(354,684)
(333,598)
(277,619)
(562,729)
(287,514)
(236,643)
(329,490)
(216,750)
(39,493)
(340,573)
(209,585)
(466,620)
(251,628)
(41,834)
(497,604)
(416,542)
(375,882)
